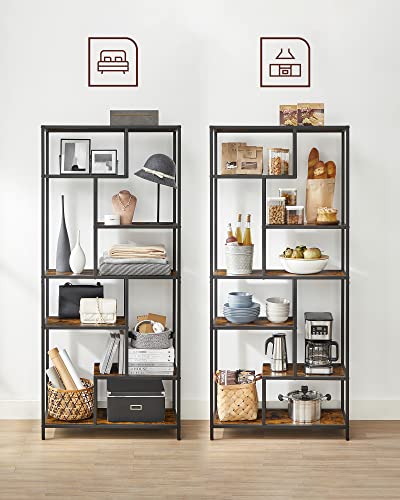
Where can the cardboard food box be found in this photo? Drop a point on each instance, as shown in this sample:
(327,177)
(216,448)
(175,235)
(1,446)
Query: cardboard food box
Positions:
(229,157)
(250,160)
(288,114)
(147,328)
(310,114)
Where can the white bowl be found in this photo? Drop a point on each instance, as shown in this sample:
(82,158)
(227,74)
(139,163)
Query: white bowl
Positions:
(277,308)
(304,266)
(277,319)
(277,301)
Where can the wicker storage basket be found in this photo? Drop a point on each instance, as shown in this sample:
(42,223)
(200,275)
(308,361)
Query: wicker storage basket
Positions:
(71,405)
(239,259)
(237,402)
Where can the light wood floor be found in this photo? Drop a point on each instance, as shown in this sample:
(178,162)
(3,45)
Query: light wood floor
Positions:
(135,465)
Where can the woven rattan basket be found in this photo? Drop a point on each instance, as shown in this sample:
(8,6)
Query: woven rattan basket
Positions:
(71,405)
(237,402)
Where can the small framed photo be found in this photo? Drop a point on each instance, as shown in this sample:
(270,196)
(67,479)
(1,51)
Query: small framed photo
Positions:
(75,156)
(104,161)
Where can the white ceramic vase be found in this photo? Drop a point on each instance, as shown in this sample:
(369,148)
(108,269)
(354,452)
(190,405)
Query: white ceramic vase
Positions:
(77,259)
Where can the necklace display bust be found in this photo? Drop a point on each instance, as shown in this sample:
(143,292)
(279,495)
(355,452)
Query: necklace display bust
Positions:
(124,204)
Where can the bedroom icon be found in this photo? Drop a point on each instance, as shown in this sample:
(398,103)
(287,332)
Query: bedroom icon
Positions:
(112,62)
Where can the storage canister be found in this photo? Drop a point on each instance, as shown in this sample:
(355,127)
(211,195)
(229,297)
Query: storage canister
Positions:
(276,210)
(295,215)
(290,195)
(239,259)
(278,163)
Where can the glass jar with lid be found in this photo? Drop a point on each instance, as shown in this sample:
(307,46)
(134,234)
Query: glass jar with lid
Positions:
(295,215)
(278,163)
(290,195)
(276,210)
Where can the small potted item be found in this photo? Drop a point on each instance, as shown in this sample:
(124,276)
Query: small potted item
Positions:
(304,405)
(295,215)
(327,216)
(276,210)
(278,161)
(239,257)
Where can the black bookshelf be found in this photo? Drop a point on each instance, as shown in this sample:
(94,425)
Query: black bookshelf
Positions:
(51,323)
(268,418)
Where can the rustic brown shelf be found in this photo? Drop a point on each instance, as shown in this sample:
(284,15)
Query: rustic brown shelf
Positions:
(338,373)
(56,323)
(281,274)
(306,226)
(221,323)
(139,225)
(85,274)
(54,422)
(331,417)
(89,274)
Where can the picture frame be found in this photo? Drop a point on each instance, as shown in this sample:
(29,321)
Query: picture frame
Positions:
(104,161)
(75,156)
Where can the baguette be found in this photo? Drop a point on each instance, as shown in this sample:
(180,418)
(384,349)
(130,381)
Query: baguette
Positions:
(313,157)
(331,168)
(320,171)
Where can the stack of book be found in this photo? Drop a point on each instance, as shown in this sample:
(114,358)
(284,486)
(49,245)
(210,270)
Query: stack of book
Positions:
(115,352)
(151,361)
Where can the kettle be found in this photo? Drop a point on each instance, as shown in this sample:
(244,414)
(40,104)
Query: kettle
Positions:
(279,360)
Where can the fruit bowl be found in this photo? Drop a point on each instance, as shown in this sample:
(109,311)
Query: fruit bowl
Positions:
(304,266)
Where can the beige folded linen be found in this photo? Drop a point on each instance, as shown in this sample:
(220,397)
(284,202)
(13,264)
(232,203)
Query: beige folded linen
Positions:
(128,251)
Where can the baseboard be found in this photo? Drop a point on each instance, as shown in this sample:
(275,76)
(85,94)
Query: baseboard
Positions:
(199,410)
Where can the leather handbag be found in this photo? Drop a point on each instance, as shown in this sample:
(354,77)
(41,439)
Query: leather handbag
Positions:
(69,298)
(98,311)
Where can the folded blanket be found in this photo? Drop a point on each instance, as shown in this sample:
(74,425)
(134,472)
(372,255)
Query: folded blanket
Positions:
(135,260)
(128,251)
(143,269)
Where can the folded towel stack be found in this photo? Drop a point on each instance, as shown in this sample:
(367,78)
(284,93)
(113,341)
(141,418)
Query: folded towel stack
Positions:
(130,251)
(132,259)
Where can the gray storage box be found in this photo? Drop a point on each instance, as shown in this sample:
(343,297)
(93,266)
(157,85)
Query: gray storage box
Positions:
(134,117)
(135,401)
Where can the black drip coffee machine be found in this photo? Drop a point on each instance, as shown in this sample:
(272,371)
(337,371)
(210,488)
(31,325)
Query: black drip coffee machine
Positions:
(318,356)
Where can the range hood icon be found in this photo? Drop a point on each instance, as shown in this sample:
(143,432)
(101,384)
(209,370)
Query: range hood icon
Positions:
(284,69)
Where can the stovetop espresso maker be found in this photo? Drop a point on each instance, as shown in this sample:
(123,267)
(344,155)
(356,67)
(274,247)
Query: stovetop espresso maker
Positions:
(319,346)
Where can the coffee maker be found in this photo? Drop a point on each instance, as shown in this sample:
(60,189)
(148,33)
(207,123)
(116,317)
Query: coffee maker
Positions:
(319,346)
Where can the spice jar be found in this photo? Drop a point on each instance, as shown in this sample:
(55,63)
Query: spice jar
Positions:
(276,210)
(290,195)
(295,215)
(278,161)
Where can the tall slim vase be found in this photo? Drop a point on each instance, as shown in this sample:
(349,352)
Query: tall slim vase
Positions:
(63,245)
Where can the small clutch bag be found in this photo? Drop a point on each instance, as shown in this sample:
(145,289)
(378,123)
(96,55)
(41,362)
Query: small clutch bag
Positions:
(98,311)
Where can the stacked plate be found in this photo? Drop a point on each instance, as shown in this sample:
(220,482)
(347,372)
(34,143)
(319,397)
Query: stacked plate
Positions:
(277,309)
(240,308)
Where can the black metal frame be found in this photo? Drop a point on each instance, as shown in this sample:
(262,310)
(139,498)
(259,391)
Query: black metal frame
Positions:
(47,274)
(265,274)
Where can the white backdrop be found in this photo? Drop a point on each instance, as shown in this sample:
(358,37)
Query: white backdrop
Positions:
(199,64)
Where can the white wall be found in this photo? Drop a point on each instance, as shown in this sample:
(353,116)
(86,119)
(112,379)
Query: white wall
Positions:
(199,66)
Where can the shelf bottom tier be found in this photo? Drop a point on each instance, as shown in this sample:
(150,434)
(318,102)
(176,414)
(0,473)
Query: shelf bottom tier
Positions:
(169,422)
(278,418)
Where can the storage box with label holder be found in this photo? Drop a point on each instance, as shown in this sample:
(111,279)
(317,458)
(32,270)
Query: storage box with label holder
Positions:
(135,401)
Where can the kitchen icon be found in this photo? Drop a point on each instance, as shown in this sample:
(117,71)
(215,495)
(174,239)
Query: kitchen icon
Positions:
(285,69)
(112,62)
(284,62)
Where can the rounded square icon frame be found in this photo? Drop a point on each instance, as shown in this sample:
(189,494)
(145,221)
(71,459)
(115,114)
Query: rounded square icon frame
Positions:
(308,84)
(136,84)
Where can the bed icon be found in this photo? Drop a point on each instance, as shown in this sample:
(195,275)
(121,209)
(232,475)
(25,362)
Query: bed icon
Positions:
(113,60)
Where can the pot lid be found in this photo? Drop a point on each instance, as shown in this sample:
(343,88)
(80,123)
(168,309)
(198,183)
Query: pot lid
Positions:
(304,394)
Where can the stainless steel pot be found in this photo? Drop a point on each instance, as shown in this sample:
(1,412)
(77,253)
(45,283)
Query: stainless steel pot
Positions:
(304,406)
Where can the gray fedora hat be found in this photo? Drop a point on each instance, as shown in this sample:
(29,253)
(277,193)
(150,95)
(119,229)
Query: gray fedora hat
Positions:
(159,168)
